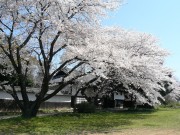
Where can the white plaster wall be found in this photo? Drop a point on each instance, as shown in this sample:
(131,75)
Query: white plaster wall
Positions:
(118,95)
(4,95)
(58,98)
(62,98)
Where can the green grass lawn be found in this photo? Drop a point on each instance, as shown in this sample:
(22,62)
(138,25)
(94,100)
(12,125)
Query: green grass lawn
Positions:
(73,123)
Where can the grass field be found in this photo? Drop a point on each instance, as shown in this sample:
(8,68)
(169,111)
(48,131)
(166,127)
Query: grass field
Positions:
(101,122)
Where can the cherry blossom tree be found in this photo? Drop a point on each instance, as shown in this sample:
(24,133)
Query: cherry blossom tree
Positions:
(135,58)
(42,30)
(43,37)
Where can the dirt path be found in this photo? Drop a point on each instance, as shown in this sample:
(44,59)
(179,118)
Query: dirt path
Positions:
(143,132)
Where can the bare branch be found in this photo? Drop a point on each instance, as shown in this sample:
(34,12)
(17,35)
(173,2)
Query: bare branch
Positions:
(75,67)
(52,45)
(39,60)
(61,67)
(29,35)
(55,92)
(61,48)
(14,95)
(26,70)
(5,25)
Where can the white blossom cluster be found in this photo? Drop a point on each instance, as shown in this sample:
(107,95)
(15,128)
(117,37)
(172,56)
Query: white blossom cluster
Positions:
(137,58)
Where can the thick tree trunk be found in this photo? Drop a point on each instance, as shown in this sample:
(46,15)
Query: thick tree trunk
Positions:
(30,110)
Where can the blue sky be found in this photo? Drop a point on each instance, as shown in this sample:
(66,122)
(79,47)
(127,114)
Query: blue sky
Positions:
(157,17)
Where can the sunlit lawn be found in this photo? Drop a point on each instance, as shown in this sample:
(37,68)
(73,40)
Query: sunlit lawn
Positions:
(71,123)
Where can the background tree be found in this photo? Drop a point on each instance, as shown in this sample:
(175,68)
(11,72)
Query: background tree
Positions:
(172,93)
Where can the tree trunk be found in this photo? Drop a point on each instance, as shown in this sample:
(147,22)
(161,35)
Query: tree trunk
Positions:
(30,110)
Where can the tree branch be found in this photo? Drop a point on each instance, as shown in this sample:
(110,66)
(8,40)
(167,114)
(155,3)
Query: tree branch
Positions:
(14,95)
(52,45)
(26,70)
(39,60)
(54,53)
(86,85)
(61,66)
(63,84)
(55,92)
(21,78)
(75,67)
(29,36)
(10,56)
(5,25)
